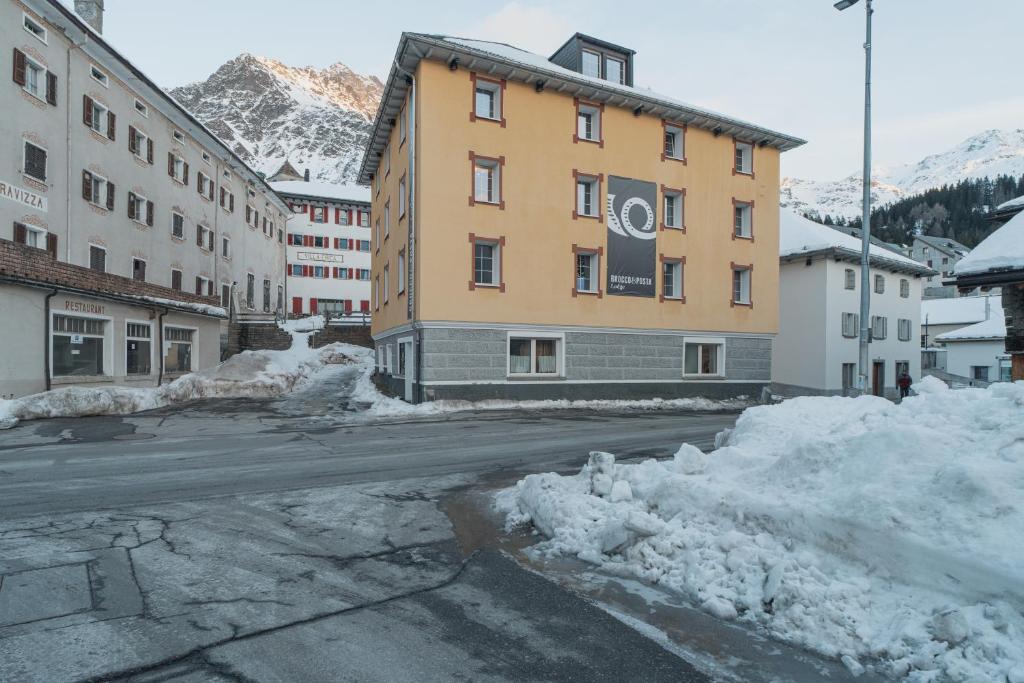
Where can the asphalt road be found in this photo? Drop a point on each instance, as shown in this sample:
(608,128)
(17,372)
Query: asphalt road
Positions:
(245,541)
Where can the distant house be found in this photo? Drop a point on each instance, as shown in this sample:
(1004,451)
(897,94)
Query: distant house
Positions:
(941,254)
(1007,210)
(939,316)
(999,262)
(817,349)
(977,352)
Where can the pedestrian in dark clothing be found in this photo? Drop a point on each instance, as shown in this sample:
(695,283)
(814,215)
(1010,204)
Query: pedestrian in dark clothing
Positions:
(903,382)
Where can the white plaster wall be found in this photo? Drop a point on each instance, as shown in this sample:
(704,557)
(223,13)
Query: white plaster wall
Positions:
(22,360)
(964,354)
(798,352)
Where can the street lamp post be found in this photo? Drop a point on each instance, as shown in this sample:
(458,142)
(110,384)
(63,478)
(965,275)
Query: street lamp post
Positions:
(865,270)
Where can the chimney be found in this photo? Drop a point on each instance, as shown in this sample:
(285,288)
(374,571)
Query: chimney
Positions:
(92,12)
(306,175)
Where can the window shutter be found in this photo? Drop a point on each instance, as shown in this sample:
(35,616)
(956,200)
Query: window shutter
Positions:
(87,186)
(231,203)
(19,67)
(209,288)
(184,174)
(350,275)
(51,244)
(209,235)
(199,236)
(131,206)
(199,286)
(312,306)
(111,125)
(149,214)
(256,218)
(20,233)
(149,151)
(248,214)
(133,146)
(170,164)
(110,196)
(142,269)
(51,88)
(87,110)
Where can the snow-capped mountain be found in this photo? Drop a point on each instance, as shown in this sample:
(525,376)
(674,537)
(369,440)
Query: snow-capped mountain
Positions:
(990,153)
(267,112)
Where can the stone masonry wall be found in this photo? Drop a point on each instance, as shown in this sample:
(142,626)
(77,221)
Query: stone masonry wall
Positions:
(256,336)
(359,335)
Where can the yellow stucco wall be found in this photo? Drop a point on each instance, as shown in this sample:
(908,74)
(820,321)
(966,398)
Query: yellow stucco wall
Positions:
(537,224)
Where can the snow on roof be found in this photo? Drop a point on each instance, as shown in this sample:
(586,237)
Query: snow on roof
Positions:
(993,328)
(958,310)
(336,191)
(1018,202)
(799,235)
(1002,250)
(945,244)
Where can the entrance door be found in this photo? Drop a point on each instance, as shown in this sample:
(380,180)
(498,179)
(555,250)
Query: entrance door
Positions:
(297,305)
(878,378)
(407,365)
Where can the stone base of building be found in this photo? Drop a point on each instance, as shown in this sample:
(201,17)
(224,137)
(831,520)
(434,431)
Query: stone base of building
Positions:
(624,391)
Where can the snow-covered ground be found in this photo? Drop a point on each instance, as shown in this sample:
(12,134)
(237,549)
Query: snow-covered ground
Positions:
(888,536)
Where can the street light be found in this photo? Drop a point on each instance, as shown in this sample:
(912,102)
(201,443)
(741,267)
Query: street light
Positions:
(865,234)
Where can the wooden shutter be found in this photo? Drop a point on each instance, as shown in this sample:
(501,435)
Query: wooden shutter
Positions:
(20,233)
(149,214)
(312,306)
(19,67)
(87,186)
(248,214)
(87,110)
(51,88)
(170,164)
(199,182)
(209,235)
(131,205)
(149,151)
(111,125)
(110,196)
(51,244)
(256,219)
(199,236)
(209,288)
(231,203)
(133,146)
(199,286)
(184,173)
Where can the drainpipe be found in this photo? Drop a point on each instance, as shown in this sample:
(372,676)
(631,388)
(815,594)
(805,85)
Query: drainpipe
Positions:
(160,347)
(46,338)
(410,268)
(67,148)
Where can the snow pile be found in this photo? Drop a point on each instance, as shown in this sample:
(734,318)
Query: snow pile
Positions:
(247,374)
(1002,250)
(884,535)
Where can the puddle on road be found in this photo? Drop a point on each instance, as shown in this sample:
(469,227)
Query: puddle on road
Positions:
(723,650)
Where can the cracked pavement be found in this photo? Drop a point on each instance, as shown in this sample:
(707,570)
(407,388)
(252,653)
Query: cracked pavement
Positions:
(229,543)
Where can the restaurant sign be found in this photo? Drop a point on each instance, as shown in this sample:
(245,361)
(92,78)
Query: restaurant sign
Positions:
(22,196)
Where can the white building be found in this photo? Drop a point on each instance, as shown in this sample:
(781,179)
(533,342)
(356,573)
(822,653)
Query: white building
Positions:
(939,316)
(328,242)
(817,349)
(125,225)
(978,352)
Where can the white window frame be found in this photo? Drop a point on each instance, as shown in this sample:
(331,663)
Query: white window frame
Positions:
(533,336)
(140,201)
(591,183)
(107,337)
(746,286)
(141,108)
(677,279)
(152,344)
(904,288)
(709,341)
(492,193)
(495,245)
(38,30)
(595,270)
(494,90)
(746,227)
(387,289)
(678,146)
(746,165)
(622,69)
(387,218)
(204,285)
(400,285)
(142,145)
(182,235)
(24,160)
(597,55)
(192,344)
(36,235)
(207,159)
(676,215)
(179,168)
(99,75)
(595,122)
(40,81)
(145,263)
(225,247)
(849,279)
(99,187)
(879,323)
(387,160)
(401,198)
(180,137)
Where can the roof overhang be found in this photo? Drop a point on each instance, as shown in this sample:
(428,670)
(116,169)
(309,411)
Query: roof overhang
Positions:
(414,47)
(324,200)
(991,278)
(845,255)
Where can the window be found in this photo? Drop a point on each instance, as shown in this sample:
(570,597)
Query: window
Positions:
(401,198)
(387,160)
(672,279)
(138,355)
(225,247)
(32,76)
(673,208)
(980,372)
(227,200)
(486,263)
(175,279)
(879,284)
(487,99)
(180,137)
(587,272)
(588,122)
(204,185)
(204,238)
(376,293)
(486,181)
(266,296)
(614,70)
(78,346)
(401,271)
(1005,370)
(850,324)
(387,282)
(744,162)
(97,117)
(945,261)
(177,168)
(138,269)
(387,218)
(178,345)
(741,286)
(879,327)
(140,145)
(743,220)
(904,288)
(140,209)
(206,158)
(903,329)
(588,196)
(590,62)
(376,233)
(533,356)
(250,291)
(402,124)
(141,108)
(99,76)
(319,213)
(851,278)
(97,258)
(31,236)
(177,225)
(96,190)
(703,357)
(673,148)
(35,162)
(33,27)
(364,219)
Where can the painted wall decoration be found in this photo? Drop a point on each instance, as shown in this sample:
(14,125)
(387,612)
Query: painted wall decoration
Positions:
(632,228)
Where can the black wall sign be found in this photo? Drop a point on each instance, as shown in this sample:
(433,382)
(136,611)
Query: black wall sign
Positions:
(632,249)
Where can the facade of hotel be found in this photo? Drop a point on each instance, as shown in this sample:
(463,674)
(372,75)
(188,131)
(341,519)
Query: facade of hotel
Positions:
(542,229)
(328,242)
(817,350)
(150,227)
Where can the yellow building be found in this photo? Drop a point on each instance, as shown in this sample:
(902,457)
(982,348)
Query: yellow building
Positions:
(543,229)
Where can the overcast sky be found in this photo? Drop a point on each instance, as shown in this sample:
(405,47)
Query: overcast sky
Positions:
(944,69)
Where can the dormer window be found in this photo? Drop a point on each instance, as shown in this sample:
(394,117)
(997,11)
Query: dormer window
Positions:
(614,70)
(590,63)
(595,58)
